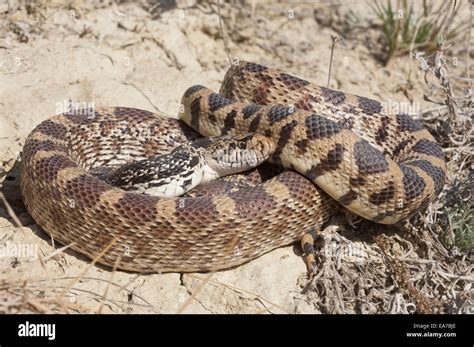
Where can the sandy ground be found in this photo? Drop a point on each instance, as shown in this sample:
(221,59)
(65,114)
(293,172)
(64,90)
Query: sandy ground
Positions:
(117,54)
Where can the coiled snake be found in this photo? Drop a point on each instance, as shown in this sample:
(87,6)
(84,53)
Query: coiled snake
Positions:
(384,167)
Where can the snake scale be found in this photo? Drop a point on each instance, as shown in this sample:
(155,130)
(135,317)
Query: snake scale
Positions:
(381,166)
(187,166)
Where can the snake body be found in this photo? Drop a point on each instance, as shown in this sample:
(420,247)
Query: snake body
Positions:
(384,167)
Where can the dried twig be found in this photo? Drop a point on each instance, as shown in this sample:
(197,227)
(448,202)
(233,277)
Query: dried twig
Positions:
(335,40)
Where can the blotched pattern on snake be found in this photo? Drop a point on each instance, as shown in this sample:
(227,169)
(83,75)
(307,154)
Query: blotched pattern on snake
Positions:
(384,167)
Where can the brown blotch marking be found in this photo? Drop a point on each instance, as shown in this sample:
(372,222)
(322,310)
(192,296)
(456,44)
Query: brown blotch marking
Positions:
(68,174)
(39,136)
(382,131)
(330,163)
(369,106)
(195,211)
(347,198)
(401,146)
(369,160)
(131,112)
(406,123)
(139,208)
(250,202)
(195,113)
(47,168)
(212,118)
(249,110)
(436,173)
(302,145)
(53,129)
(85,190)
(65,121)
(383,195)
(413,185)
(254,68)
(201,142)
(428,147)
(318,127)
(357,181)
(292,82)
(78,119)
(227,87)
(260,95)
(229,122)
(265,79)
(33,145)
(299,189)
(306,102)
(277,113)
(110,197)
(191,90)
(106,127)
(217,101)
(335,97)
(283,140)
(254,124)
(314,171)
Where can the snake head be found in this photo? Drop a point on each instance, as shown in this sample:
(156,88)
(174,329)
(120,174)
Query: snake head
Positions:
(228,155)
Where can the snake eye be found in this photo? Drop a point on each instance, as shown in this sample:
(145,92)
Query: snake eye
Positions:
(242,145)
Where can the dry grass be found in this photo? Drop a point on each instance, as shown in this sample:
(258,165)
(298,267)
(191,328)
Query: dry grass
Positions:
(425,265)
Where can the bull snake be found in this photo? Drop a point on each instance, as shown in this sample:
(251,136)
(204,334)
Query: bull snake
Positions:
(384,167)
